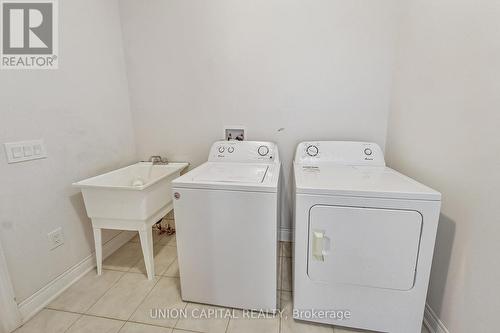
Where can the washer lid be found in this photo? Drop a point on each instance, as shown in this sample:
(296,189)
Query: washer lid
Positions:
(237,173)
(360,181)
(257,177)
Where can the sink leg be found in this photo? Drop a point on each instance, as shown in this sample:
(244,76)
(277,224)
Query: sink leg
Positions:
(146,235)
(98,249)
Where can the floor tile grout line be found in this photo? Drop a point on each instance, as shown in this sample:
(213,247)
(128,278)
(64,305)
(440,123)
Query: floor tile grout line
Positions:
(85,311)
(110,287)
(73,323)
(173,262)
(140,273)
(117,270)
(73,312)
(148,324)
(132,266)
(144,298)
(186,330)
(123,273)
(89,315)
(228,322)
(141,258)
(123,324)
(45,308)
(114,270)
(127,271)
(84,315)
(177,321)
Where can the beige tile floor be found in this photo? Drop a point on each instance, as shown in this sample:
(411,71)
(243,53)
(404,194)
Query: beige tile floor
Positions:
(122,298)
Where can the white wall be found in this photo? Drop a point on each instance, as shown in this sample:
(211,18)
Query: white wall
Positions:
(444,131)
(319,69)
(82,112)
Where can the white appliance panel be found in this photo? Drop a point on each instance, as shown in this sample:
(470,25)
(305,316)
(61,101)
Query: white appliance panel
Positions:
(339,153)
(243,151)
(376,309)
(224,172)
(364,238)
(369,247)
(227,247)
(359,181)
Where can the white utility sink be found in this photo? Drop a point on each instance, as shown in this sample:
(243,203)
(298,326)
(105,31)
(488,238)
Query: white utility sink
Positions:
(131,198)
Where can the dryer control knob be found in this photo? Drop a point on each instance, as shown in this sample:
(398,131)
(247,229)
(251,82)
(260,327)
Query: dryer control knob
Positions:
(263,150)
(221,149)
(368,151)
(312,150)
(230,150)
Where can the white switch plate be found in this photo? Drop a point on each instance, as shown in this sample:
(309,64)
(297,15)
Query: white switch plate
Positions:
(25,151)
(56,238)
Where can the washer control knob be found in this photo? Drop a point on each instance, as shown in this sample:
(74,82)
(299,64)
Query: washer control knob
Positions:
(221,149)
(312,150)
(368,151)
(263,150)
(230,150)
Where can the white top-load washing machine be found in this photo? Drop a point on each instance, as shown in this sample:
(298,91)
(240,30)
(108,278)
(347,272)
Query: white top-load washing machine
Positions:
(364,239)
(226,217)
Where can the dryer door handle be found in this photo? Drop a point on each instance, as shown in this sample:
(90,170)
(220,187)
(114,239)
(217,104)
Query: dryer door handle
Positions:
(321,245)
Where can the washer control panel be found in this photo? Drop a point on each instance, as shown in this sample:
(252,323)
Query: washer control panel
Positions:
(263,150)
(340,152)
(312,150)
(243,151)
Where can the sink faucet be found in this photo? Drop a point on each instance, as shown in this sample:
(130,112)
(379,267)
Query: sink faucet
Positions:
(157,159)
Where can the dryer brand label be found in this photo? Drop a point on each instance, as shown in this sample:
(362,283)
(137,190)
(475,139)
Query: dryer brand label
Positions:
(311,169)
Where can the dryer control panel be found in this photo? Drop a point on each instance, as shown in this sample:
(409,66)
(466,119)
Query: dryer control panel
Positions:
(340,152)
(243,151)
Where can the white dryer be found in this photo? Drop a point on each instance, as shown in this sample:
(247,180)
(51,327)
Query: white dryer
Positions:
(364,239)
(226,216)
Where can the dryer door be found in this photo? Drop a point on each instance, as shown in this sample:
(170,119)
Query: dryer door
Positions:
(360,246)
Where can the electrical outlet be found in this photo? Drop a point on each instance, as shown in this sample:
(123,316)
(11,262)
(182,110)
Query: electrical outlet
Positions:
(56,238)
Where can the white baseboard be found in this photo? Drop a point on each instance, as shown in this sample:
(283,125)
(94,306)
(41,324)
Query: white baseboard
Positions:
(44,296)
(286,235)
(432,321)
